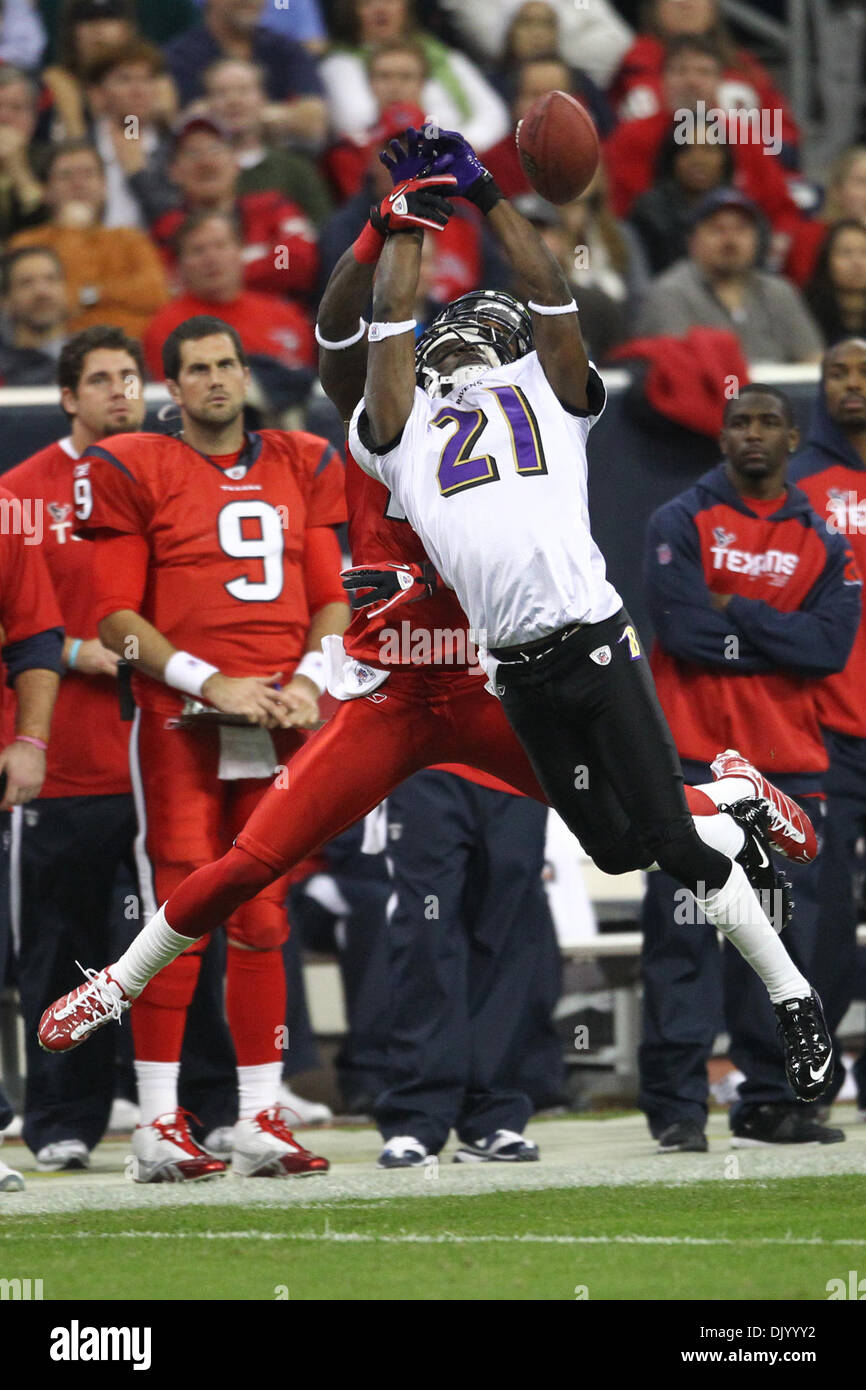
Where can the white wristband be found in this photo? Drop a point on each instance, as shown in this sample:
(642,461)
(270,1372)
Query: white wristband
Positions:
(185,672)
(378,331)
(553,308)
(314,667)
(344,342)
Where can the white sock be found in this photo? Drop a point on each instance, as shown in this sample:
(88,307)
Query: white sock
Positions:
(157,1089)
(258,1088)
(155,946)
(735,910)
(728,790)
(722,833)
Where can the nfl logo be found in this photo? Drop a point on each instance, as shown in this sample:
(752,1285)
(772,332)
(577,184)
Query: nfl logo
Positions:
(664,554)
(601,656)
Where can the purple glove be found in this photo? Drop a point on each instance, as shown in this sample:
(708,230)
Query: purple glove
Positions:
(452,154)
(409,163)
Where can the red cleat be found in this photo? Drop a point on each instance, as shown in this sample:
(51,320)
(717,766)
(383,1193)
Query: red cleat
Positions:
(165,1151)
(72,1018)
(265,1147)
(790,830)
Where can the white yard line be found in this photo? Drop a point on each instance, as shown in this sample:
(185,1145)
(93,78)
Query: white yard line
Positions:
(441,1238)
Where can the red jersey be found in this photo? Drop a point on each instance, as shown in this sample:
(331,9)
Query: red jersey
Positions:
(88,755)
(279,243)
(223,576)
(27,601)
(269,326)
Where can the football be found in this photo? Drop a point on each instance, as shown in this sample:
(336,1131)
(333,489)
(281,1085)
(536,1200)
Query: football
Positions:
(558,147)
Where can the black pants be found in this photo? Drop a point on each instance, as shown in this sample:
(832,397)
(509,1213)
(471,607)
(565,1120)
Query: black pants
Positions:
(693,989)
(71,849)
(587,713)
(473,964)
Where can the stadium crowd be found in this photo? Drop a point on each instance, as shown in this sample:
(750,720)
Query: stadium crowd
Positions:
(168,159)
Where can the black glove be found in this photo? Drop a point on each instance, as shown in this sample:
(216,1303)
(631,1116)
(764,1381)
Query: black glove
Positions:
(388,585)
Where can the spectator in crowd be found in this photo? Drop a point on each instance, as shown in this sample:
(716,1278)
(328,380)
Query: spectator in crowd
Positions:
(469,976)
(35,316)
(685,173)
(236,97)
(638,88)
(717,285)
(123,97)
(602,317)
(280,252)
(31,639)
(592,37)
(691,74)
(397,70)
(794,616)
(607,254)
(88,30)
(22,202)
(300,21)
(845,199)
(210,261)
(533,36)
(533,78)
(113,273)
(455,93)
(232,29)
(831,469)
(22,34)
(67,856)
(836,293)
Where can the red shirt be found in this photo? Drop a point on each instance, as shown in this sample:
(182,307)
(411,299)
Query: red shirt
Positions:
(223,572)
(268,325)
(88,754)
(27,601)
(279,243)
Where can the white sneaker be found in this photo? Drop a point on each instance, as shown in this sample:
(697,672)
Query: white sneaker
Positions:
(504,1146)
(10,1179)
(266,1148)
(165,1151)
(67,1155)
(13,1129)
(220,1142)
(124,1116)
(306,1112)
(403,1151)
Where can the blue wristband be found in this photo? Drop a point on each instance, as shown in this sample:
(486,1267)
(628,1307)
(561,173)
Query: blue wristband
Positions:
(73,654)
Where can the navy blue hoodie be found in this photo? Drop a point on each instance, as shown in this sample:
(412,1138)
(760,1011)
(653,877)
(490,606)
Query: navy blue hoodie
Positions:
(833,476)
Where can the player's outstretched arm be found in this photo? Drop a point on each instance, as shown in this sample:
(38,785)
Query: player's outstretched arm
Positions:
(558,339)
(343,366)
(389,393)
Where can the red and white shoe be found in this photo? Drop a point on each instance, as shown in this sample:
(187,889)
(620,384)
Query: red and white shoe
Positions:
(266,1148)
(165,1151)
(790,829)
(72,1018)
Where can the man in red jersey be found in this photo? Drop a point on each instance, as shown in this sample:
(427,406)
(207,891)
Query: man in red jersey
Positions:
(219,544)
(31,640)
(68,849)
(398,716)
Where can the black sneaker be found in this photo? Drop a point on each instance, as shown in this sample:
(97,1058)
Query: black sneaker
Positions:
(684,1137)
(806,1044)
(772,890)
(781,1124)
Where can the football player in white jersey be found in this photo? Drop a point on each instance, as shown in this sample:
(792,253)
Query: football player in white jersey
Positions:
(481,440)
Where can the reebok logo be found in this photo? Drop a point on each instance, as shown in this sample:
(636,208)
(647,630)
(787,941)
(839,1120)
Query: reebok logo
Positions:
(77,1343)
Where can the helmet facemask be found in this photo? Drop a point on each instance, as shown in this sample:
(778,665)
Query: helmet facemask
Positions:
(496,326)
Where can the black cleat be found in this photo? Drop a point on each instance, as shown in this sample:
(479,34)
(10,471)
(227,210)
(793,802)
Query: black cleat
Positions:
(781,1124)
(684,1137)
(771,889)
(807,1046)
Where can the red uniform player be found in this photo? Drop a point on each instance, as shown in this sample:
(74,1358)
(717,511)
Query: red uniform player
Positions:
(228,553)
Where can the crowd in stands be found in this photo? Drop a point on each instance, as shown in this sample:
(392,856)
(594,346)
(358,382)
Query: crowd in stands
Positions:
(144,148)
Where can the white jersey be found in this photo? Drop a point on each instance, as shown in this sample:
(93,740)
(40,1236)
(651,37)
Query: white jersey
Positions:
(492,478)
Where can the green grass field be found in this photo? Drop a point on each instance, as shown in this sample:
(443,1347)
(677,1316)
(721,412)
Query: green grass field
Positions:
(600,1213)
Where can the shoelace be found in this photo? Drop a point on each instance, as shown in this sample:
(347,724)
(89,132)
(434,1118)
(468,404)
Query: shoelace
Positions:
(94,998)
(273,1123)
(177,1131)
